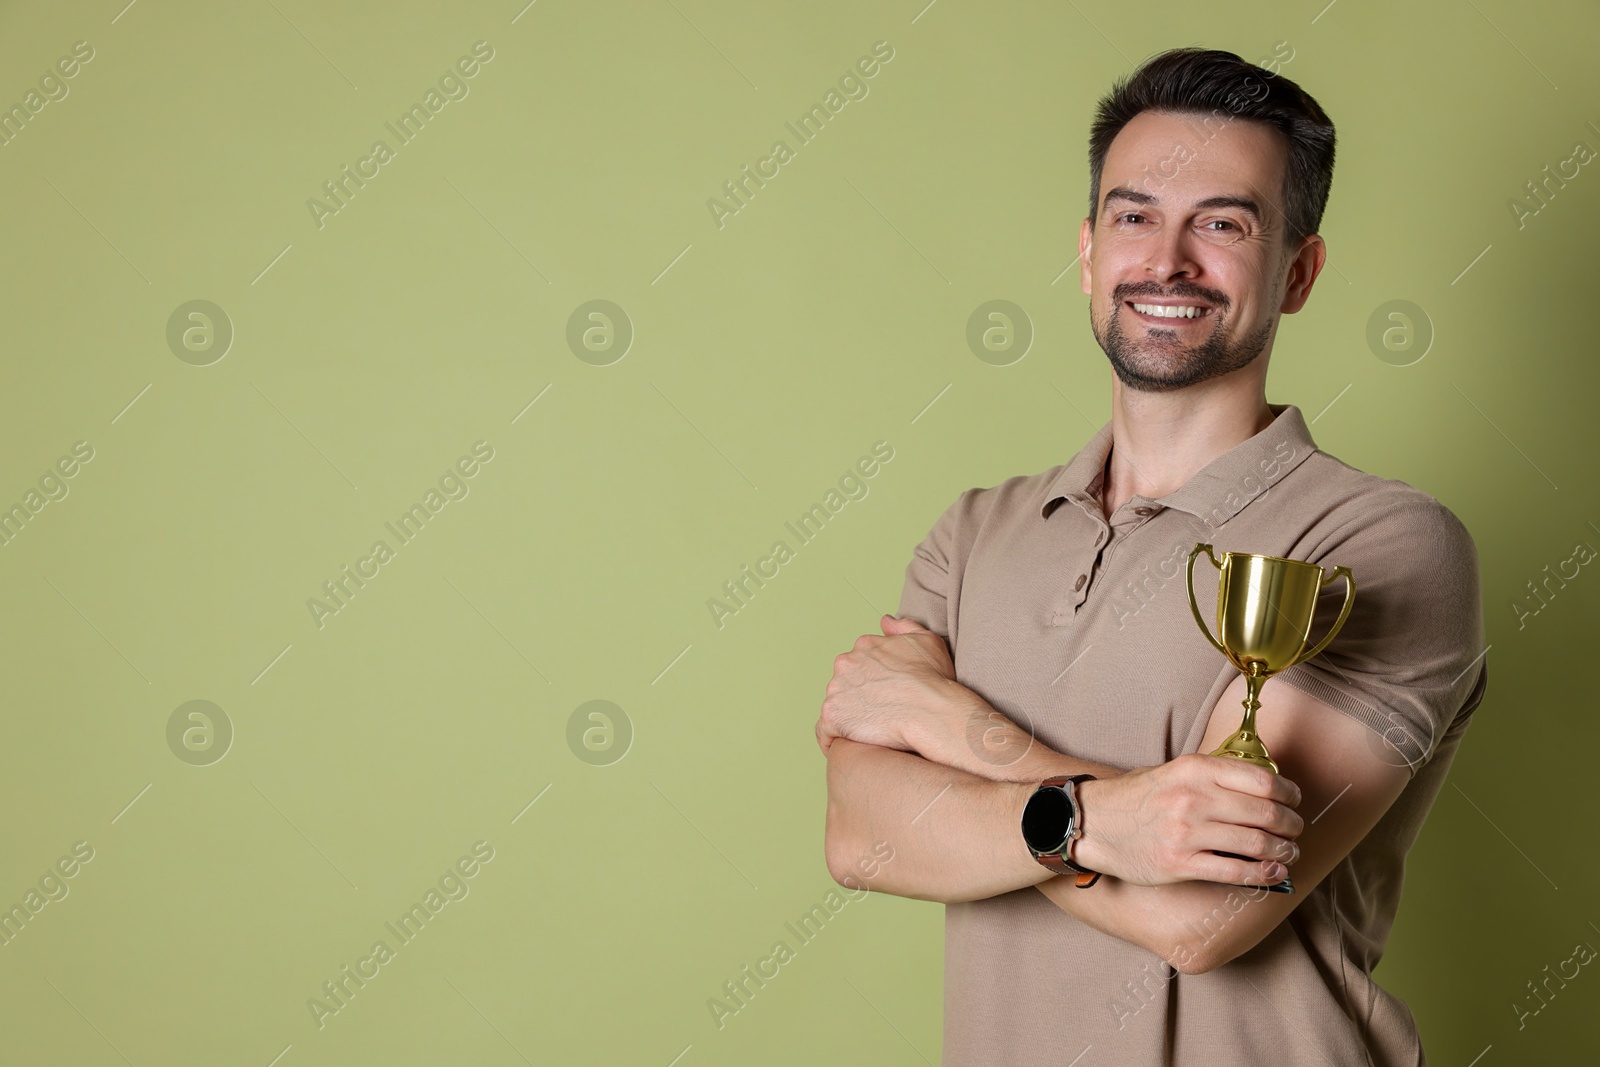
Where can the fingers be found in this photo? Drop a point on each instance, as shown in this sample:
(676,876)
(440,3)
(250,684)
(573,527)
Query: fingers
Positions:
(1243,777)
(1244,797)
(1253,844)
(1256,813)
(1214,868)
(878,647)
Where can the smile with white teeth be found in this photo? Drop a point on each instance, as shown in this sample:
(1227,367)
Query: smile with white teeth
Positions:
(1180,311)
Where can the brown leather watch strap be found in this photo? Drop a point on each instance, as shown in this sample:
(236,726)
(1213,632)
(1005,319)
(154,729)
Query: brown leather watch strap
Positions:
(1082,877)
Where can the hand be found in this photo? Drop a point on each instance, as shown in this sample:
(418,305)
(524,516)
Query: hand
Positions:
(884,684)
(1155,825)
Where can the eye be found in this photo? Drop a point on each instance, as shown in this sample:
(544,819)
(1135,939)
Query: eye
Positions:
(1129,215)
(1224,222)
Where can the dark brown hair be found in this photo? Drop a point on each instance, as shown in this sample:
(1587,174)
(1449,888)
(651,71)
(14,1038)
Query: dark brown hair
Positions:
(1207,82)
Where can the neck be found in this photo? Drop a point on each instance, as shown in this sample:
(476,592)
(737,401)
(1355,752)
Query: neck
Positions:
(1160,440)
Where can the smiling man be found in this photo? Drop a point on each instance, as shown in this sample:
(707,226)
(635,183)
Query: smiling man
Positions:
(1044,632)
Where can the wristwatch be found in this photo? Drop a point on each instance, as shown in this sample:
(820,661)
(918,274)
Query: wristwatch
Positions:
(1051,821)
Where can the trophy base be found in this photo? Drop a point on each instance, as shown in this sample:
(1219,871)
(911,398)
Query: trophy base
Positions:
(1245,745)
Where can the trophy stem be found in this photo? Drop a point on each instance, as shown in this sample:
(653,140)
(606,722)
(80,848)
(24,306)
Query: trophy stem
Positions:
(1252,701)
(1244,743)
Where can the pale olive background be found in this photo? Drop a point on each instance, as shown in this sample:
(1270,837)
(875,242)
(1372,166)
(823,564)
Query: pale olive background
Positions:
(368,755)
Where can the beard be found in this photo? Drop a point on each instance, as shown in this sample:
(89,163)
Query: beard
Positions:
(1158,362)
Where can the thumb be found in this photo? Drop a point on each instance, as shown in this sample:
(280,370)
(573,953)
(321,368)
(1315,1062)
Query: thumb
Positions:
(892,625)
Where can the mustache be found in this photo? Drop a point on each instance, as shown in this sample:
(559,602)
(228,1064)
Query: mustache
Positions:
(1199,295)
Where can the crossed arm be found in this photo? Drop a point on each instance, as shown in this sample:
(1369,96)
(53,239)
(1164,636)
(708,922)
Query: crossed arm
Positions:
(912,761)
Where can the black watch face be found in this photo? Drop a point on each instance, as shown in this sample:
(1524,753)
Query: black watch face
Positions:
(1044,820)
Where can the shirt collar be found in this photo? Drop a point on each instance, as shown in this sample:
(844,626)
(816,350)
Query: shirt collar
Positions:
(1219,490)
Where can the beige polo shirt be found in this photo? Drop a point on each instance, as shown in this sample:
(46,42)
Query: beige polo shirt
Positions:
(1082,628)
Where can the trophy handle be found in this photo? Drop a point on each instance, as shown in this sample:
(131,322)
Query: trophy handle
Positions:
(1344,612)
(1194,607)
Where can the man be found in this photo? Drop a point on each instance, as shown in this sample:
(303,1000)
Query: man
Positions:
(1045,630)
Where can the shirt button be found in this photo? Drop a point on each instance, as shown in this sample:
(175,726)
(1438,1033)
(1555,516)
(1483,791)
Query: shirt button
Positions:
(1143,511)
(1081,579)
(1101,536)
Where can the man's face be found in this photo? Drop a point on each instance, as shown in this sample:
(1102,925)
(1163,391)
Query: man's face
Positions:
(1190,215)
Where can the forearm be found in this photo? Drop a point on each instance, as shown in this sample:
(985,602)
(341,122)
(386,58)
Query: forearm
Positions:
(968,733)
(874,794)
(951,807)
(1182,922)
(956,836)
(1178,921)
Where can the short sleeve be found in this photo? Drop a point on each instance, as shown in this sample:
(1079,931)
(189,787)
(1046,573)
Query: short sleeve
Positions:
(931,592)
(1410,658)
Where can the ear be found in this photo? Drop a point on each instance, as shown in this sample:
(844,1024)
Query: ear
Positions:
(1303,270)
(1086,256)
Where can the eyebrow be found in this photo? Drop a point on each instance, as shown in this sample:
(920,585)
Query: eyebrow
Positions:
(1243,203)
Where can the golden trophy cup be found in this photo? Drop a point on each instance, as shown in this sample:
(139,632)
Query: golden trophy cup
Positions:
(1264,612)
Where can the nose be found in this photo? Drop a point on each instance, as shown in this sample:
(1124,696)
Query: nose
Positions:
(1169,254)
